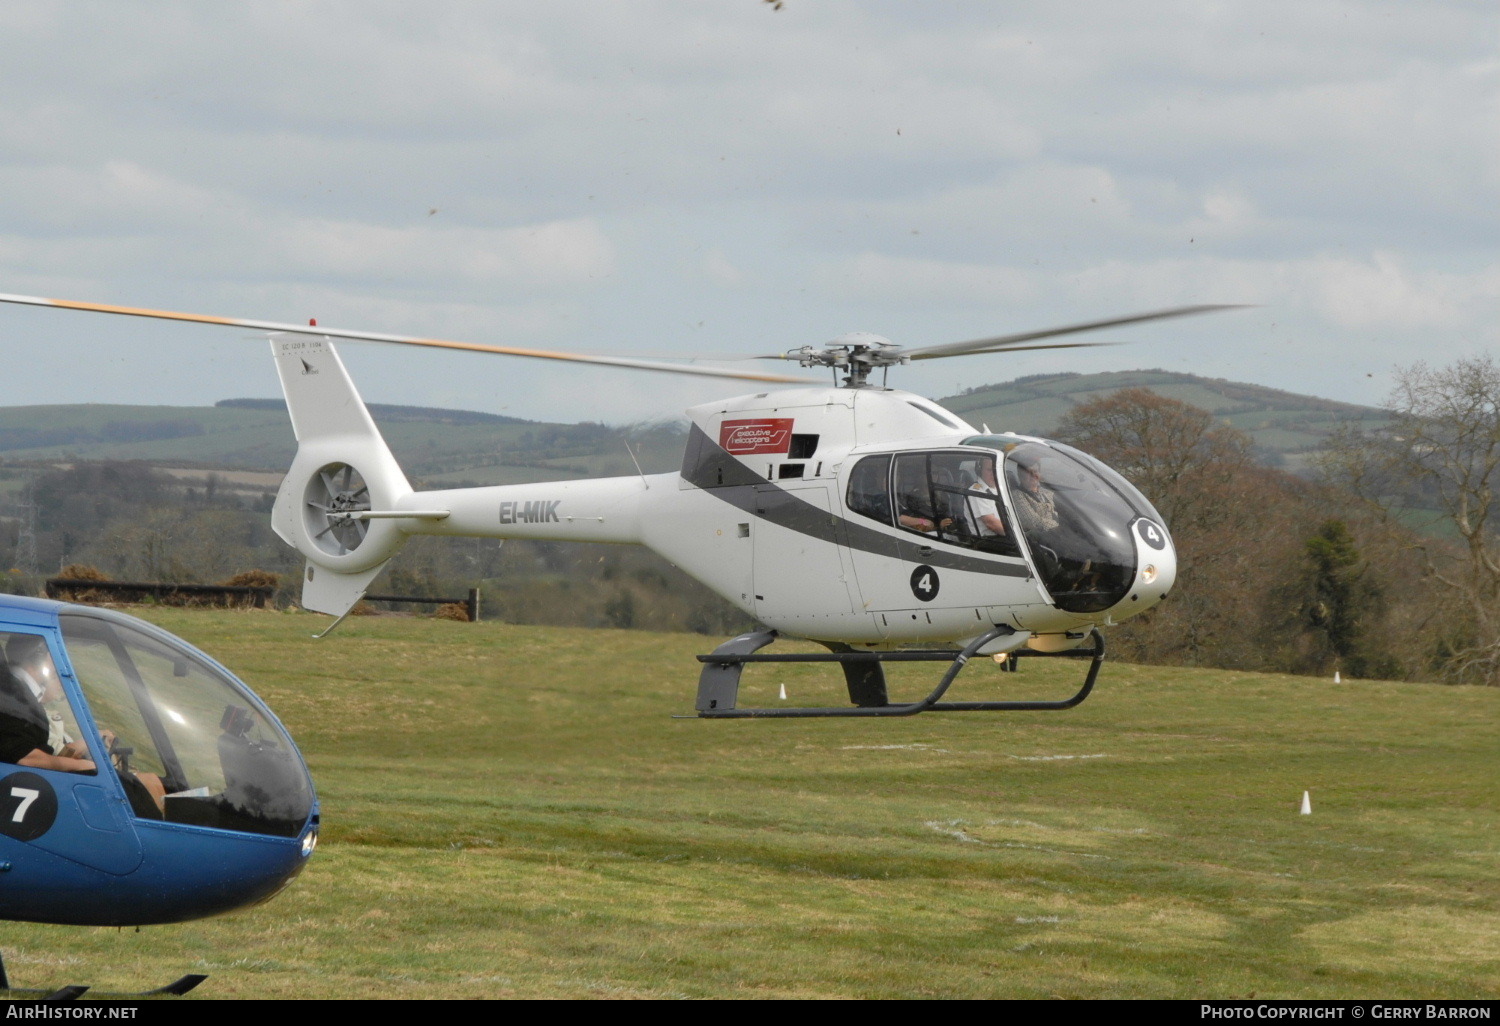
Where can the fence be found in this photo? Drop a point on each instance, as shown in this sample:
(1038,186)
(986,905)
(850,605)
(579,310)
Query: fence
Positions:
(471,603)
(138,591)
(228,594)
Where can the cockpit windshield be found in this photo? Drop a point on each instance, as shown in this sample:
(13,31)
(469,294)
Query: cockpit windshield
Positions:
(188,742)
(1075,518)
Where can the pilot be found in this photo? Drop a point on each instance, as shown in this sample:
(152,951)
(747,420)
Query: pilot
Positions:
(984,512)
(25,724)
(1034,505)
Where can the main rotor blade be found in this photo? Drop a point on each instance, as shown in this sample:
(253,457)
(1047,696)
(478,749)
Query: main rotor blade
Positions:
(406,340)
(924,355)
(1001,343)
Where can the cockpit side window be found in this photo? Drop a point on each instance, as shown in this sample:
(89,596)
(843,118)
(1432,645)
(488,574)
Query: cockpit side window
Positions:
(954,498)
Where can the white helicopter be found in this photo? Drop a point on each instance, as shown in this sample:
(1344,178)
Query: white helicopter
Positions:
(869,520)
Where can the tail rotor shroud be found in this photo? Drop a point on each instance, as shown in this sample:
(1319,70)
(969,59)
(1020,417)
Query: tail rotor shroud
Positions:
(333,495)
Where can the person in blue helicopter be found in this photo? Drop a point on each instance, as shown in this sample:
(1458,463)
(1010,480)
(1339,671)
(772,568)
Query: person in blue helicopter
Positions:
(29,734)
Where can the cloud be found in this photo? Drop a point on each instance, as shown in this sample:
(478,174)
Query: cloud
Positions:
(547,255)
(671,175)
(1383,293)
(120,211)
(880,278)
(718,269)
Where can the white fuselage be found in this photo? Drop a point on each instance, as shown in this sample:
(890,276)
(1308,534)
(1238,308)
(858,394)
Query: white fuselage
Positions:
(761,514)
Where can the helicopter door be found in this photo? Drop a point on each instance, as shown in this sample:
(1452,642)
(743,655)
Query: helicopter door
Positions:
(878,566)
(78,815)
(954,549)
(799,561)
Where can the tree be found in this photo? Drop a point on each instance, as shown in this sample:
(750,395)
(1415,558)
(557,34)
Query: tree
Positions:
(1437,468)
(1236,525)
(1342,602)
(1177,454)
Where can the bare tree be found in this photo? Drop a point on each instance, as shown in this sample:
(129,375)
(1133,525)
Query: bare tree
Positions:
(1238,527)
(1179,455)
(1437,468)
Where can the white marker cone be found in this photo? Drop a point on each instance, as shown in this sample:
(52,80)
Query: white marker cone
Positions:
(1306,804)
(1336,677)
(783,692)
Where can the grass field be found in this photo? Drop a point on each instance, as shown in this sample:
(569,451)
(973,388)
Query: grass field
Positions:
(512,812)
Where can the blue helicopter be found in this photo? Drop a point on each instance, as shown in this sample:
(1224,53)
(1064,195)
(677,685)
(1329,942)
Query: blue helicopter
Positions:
(140,781)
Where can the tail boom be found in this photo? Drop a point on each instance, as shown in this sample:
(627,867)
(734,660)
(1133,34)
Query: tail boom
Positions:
(601,510)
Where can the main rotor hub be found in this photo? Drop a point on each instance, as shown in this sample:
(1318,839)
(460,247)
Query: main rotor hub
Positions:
(856,352)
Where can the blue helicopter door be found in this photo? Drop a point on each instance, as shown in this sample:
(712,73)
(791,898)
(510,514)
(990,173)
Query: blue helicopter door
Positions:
(72,807)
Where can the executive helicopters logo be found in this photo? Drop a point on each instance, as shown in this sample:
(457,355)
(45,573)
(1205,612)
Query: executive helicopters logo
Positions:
(747,437)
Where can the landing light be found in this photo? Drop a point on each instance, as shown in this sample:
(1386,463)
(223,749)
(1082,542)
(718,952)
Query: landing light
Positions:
(1149,574)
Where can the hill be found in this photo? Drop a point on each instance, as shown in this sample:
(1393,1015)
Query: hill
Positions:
(1285,426)
(451,447)
(443,447)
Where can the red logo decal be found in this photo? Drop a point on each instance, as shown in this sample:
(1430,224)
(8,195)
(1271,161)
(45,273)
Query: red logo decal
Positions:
(746,437)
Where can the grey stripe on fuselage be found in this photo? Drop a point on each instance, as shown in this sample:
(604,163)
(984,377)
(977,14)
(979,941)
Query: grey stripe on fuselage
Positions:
(712,469)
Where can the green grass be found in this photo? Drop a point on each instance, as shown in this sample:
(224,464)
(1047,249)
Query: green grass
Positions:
(512,811)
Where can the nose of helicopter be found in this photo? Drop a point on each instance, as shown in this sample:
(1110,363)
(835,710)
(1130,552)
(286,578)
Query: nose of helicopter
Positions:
(1156,563)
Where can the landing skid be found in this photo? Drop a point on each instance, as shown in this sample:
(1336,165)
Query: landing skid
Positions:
(719,683)
(75,991)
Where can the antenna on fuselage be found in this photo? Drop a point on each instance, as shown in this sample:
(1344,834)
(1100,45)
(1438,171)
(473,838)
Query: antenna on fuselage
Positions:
(637,463)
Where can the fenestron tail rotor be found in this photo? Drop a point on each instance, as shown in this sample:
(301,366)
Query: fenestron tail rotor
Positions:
(334,493)
(408,340)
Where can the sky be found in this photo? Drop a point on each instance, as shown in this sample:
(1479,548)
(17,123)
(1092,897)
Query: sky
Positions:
(721,178)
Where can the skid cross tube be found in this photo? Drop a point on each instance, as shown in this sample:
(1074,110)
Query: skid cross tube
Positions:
(719,683)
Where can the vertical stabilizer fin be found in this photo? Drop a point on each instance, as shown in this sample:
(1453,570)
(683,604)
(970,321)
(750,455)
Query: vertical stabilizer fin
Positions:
(343,469)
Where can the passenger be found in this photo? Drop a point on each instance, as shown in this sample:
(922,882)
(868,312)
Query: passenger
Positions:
(1034,505)
(917,514)
(923,520)
(31,662)
(25,724)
